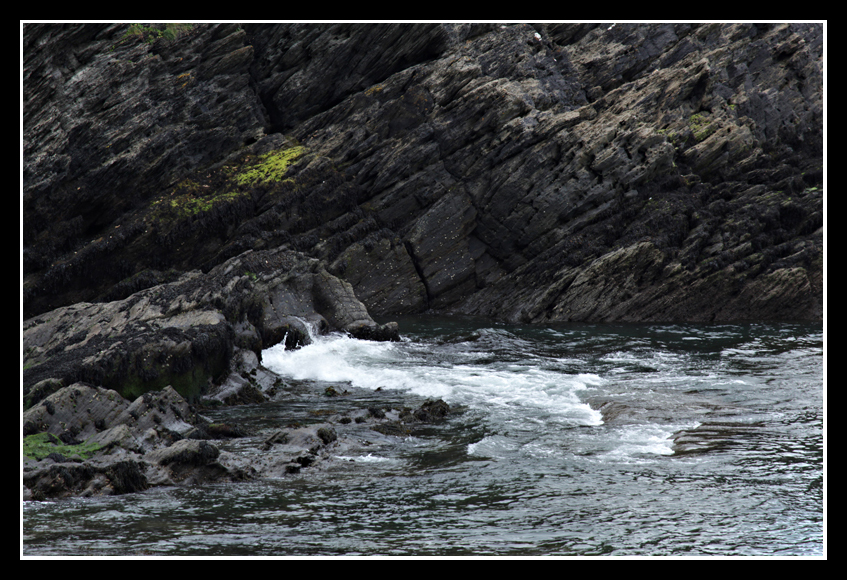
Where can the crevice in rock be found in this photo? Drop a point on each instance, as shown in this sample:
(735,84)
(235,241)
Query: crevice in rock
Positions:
(411,251)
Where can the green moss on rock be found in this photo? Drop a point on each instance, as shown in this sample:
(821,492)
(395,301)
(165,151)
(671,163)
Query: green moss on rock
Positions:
(271,167)
(210,189)
(701,126)
(41,445)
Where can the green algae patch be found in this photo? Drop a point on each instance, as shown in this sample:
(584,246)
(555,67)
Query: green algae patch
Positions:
(186,205)
(208,190)
(41,445)
(190,198)
(701,126)
(271,167)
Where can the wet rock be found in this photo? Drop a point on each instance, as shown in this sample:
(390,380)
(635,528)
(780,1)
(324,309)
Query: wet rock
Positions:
(86,440)
(400,421)
(188,462)
(287,451)
(431,411)
(184,452)
(276,438)
(327,435)
(60,480)
(224,431)
(184,333)
(376,412)
(247,382)
(392,429)
(612,410)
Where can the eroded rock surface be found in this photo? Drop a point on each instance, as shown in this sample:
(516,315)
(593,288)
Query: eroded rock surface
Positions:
(499,170)
(192,333)
(107,445)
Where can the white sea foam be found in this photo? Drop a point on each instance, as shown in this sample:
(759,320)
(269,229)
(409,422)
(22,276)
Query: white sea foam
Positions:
(632,441)
(369,458)
(371,365)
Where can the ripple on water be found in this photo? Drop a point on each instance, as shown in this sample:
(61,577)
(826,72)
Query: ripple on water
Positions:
(565,440)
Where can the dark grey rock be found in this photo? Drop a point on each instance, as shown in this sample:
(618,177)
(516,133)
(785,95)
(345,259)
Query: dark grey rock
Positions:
(183,333)
(477,169)
(114,446)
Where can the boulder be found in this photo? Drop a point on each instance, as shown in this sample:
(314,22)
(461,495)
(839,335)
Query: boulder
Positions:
(84,440)
(185,334)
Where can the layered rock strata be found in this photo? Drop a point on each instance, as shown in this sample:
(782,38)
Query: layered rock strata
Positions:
(509,171)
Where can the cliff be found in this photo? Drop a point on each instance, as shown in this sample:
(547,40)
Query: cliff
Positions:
(643,172)
(194,194)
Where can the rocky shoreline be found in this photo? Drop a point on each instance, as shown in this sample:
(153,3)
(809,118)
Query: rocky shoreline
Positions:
(107,386)
(192,332)
(85,441)
(194,194)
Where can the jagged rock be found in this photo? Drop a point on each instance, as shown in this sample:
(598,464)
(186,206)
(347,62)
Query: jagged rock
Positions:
(79,412)
(477,169)
(84,479)
(287,451)
(184,333)
(527,160)
(107,445)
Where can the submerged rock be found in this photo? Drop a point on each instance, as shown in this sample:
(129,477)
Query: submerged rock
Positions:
(713,436)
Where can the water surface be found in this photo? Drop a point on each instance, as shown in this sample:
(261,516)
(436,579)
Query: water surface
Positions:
(607,440)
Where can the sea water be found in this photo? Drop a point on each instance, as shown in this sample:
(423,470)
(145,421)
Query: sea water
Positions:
(603,440)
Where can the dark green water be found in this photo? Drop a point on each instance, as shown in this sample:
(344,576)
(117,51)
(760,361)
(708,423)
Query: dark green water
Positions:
(526,465)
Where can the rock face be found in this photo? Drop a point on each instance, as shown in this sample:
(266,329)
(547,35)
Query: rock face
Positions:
(193,194)
(671,171)
(192,332)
